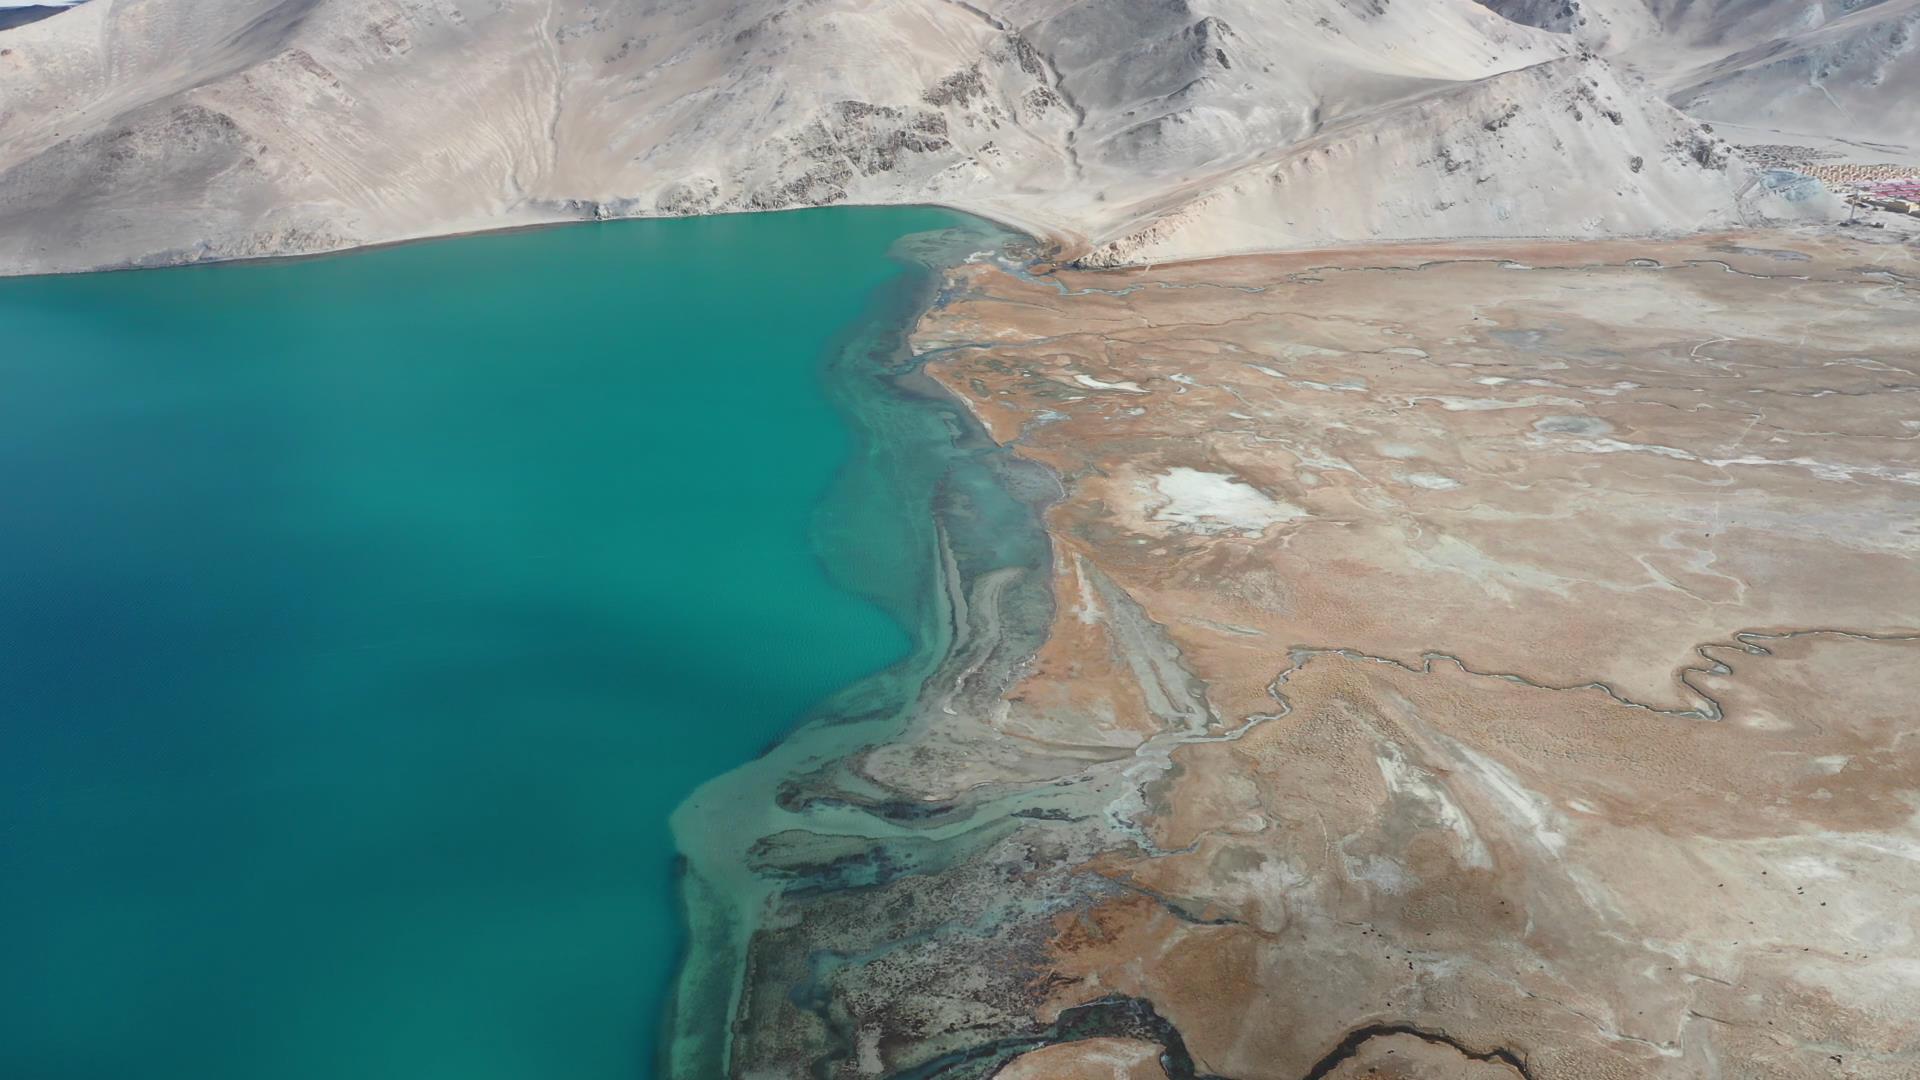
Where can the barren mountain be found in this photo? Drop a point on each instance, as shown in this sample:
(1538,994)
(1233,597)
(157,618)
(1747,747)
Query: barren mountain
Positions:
(1858,75)
(140,131)
(1847,68)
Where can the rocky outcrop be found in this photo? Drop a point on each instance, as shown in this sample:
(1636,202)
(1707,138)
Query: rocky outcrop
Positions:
(1559,16)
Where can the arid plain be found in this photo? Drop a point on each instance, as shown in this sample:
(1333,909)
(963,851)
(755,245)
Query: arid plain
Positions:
(1476,660)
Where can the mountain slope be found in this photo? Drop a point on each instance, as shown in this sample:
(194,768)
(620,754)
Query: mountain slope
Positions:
(1859,74)
(1848,69)
(1487,159)
(147,131)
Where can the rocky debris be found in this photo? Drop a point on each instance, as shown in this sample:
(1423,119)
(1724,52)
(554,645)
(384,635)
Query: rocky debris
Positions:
(1027,56)
(597,22)
(848,141)
(694,195)
(1042,98)
(822,185)
(1585,92)
(959,88)
(1207,40)
(1559,16)
(391,35)
(1504,118)
(1703,150)
(591,209)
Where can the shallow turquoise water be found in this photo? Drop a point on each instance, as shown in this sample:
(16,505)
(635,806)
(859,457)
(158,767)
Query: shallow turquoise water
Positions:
(362,619)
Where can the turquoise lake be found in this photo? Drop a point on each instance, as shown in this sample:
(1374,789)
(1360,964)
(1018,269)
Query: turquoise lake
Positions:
(363,619)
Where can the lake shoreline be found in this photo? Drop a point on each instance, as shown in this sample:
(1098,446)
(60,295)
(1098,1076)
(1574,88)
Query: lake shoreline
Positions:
(815,777)
(1031,232)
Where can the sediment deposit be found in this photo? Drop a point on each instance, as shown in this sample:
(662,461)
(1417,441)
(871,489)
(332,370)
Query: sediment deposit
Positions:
(1465,661)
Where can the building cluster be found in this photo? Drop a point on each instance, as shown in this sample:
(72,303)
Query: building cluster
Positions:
(1899,195)
(1850,176)
(1883,186)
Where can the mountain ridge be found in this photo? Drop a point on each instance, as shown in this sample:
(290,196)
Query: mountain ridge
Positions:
(137,132)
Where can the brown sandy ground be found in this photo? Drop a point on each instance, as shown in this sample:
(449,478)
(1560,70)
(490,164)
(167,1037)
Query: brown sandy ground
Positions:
(1466,662)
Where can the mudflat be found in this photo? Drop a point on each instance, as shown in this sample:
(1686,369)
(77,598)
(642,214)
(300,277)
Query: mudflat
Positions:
(1469,660)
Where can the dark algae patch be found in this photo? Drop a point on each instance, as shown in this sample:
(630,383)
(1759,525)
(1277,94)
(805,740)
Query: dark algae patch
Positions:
(1359,1037)
(1117,1016)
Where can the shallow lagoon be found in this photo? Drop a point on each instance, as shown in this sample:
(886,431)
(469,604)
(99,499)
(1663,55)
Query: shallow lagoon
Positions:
(362,619)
